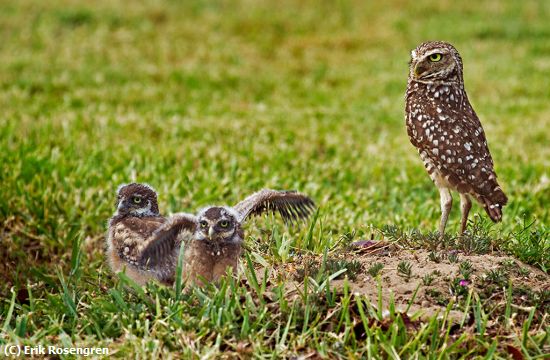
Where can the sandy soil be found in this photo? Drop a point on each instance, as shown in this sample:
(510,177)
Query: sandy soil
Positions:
(433,298)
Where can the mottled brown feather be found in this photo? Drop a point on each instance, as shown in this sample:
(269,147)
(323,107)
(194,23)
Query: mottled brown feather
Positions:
(125,240)
(165,243)
(291,205)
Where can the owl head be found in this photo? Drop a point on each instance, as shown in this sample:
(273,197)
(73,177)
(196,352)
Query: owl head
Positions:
(137,199)
(218,224)
(435,61)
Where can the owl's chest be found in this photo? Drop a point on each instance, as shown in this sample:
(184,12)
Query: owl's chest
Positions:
(210,260)
(429,117)
(214,252)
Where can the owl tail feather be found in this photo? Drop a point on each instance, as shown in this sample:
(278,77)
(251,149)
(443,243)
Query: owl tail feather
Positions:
(494,203)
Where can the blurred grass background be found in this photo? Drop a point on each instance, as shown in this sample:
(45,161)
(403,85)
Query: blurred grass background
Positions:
(209,101)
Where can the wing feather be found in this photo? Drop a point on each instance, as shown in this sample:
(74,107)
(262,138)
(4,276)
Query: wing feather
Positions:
(292,205)
(165,242)
(127,235)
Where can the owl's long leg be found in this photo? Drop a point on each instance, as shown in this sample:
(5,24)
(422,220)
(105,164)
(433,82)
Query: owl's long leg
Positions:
(446,205)
(465,206)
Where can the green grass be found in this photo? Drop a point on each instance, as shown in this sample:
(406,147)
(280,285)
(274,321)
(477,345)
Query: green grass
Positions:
(210,101)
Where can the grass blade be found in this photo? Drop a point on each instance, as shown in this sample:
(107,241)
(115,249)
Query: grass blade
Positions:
(179,273)
(10,312)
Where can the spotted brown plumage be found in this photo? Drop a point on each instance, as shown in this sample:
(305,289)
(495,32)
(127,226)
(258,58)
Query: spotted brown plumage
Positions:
(445,129)
(130,229)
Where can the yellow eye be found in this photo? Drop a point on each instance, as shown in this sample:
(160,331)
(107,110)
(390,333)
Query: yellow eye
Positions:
(435,57)
(136,199)
(224,223)
(204,224)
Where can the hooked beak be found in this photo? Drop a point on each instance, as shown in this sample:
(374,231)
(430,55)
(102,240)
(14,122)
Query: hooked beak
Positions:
(121,205)
(419,69)
(210,232)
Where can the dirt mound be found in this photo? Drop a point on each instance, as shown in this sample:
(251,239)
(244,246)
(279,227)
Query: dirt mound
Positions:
(428,280)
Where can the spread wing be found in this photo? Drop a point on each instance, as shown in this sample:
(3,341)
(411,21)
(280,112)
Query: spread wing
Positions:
(290,204)
(162,247)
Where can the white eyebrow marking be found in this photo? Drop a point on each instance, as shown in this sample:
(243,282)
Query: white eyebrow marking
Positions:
(435,51)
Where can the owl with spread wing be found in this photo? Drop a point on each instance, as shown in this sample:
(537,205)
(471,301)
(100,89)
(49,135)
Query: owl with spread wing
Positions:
(213,238)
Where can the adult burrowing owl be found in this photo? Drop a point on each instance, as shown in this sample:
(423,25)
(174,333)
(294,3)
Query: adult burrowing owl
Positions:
(445,129)
(217,234)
